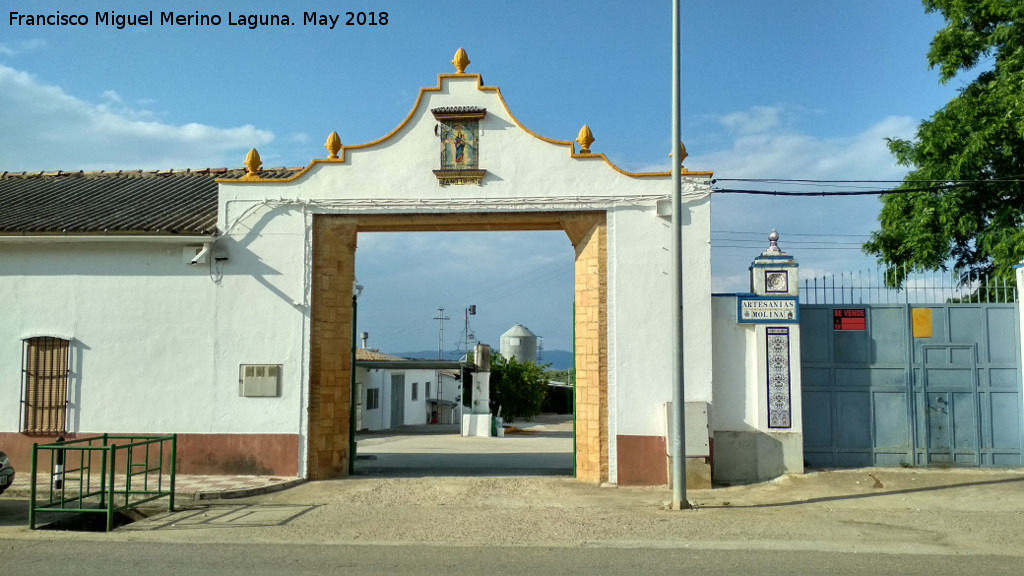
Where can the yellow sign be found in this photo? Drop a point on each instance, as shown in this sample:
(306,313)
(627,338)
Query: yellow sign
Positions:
(922,319)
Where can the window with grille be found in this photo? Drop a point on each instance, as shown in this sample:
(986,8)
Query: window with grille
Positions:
(44,392)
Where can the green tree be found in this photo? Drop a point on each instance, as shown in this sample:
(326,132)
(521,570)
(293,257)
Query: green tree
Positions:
(517,388)
(964,202)
(563,376)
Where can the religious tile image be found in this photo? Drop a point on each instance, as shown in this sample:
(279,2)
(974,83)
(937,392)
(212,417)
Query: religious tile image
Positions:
(459,144)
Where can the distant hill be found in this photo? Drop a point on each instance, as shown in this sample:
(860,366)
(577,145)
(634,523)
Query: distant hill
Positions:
(559,359)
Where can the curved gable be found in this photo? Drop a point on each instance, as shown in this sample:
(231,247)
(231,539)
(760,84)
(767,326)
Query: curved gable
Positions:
(412,151)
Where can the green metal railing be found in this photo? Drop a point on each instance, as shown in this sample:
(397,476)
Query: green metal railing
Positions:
(103,475)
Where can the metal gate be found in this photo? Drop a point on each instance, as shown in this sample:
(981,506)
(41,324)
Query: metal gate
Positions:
(397,400)
(912,384)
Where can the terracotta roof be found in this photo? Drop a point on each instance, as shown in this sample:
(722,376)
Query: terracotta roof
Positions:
(365,355)
(123,202)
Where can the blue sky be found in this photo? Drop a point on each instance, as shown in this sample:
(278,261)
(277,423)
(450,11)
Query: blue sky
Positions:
(793,89)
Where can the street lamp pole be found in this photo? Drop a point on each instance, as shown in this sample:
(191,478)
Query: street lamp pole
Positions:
(679,501)
(470,311)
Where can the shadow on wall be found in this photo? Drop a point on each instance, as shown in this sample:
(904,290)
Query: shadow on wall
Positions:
(754,456)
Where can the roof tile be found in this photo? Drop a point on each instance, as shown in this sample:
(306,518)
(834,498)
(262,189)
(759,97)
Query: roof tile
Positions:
(122,202)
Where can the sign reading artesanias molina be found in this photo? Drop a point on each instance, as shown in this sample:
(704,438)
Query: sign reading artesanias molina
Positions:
(767,310)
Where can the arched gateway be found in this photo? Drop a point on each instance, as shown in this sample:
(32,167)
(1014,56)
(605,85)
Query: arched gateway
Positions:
(460,161)
(218,305)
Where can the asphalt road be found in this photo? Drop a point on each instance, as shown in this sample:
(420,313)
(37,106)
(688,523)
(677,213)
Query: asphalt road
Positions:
(101,557)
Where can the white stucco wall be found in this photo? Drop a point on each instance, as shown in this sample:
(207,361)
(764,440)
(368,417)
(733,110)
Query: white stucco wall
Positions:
(736,369)
(741,372)
(416,410)
(156,343)
(640,310)
(373,419)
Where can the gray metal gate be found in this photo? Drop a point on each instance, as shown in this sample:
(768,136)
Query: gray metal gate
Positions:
(397,400)
(912,384)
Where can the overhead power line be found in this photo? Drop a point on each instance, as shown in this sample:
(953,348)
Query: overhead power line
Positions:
(942,186)
(804,180)
(760,235)
(755,246)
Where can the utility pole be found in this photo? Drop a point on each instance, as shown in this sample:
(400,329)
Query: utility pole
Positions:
(440,330)
(440,354)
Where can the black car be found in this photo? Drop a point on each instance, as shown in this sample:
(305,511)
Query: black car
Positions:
(6,473)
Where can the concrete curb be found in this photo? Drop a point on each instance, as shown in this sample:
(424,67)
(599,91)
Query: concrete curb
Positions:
(24,493)
(244,492)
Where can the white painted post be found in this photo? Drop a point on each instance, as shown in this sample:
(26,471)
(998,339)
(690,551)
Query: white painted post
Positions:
(774,280)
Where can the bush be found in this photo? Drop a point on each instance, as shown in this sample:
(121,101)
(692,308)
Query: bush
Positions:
(517,388)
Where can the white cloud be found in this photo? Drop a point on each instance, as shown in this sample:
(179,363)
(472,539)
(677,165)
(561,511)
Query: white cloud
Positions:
(757,120)
(112,96)
(764,147)
(11,50)
(49,129)
(764,144)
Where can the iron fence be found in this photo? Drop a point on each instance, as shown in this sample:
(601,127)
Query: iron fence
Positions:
(102,475)
(870,287)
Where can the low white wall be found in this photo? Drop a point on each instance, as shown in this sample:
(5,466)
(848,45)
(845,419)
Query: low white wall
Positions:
(746,449)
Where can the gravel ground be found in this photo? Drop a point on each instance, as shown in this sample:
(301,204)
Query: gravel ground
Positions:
(913,511)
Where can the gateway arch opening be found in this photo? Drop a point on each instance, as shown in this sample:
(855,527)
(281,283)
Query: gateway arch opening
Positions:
(427,300)
(334,239)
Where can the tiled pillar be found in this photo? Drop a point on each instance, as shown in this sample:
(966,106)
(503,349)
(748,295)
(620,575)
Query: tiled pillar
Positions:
(334,244)
(588,234)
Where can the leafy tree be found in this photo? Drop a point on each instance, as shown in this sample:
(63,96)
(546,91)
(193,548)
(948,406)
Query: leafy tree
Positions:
(964,199)
(518,388)
(563,376)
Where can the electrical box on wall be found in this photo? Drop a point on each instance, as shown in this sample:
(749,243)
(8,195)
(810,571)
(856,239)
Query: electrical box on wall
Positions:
(259,380)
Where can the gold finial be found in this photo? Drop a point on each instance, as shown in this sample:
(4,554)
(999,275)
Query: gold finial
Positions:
(585,139)
(460,61)
(682,153)
(333,145)
(252,165)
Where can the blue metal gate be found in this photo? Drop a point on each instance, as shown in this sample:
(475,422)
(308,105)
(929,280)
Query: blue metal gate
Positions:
(912,384)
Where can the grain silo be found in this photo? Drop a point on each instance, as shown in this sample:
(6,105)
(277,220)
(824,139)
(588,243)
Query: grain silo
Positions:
(519,343)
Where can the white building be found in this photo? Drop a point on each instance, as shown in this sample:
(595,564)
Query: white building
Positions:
(393,392)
